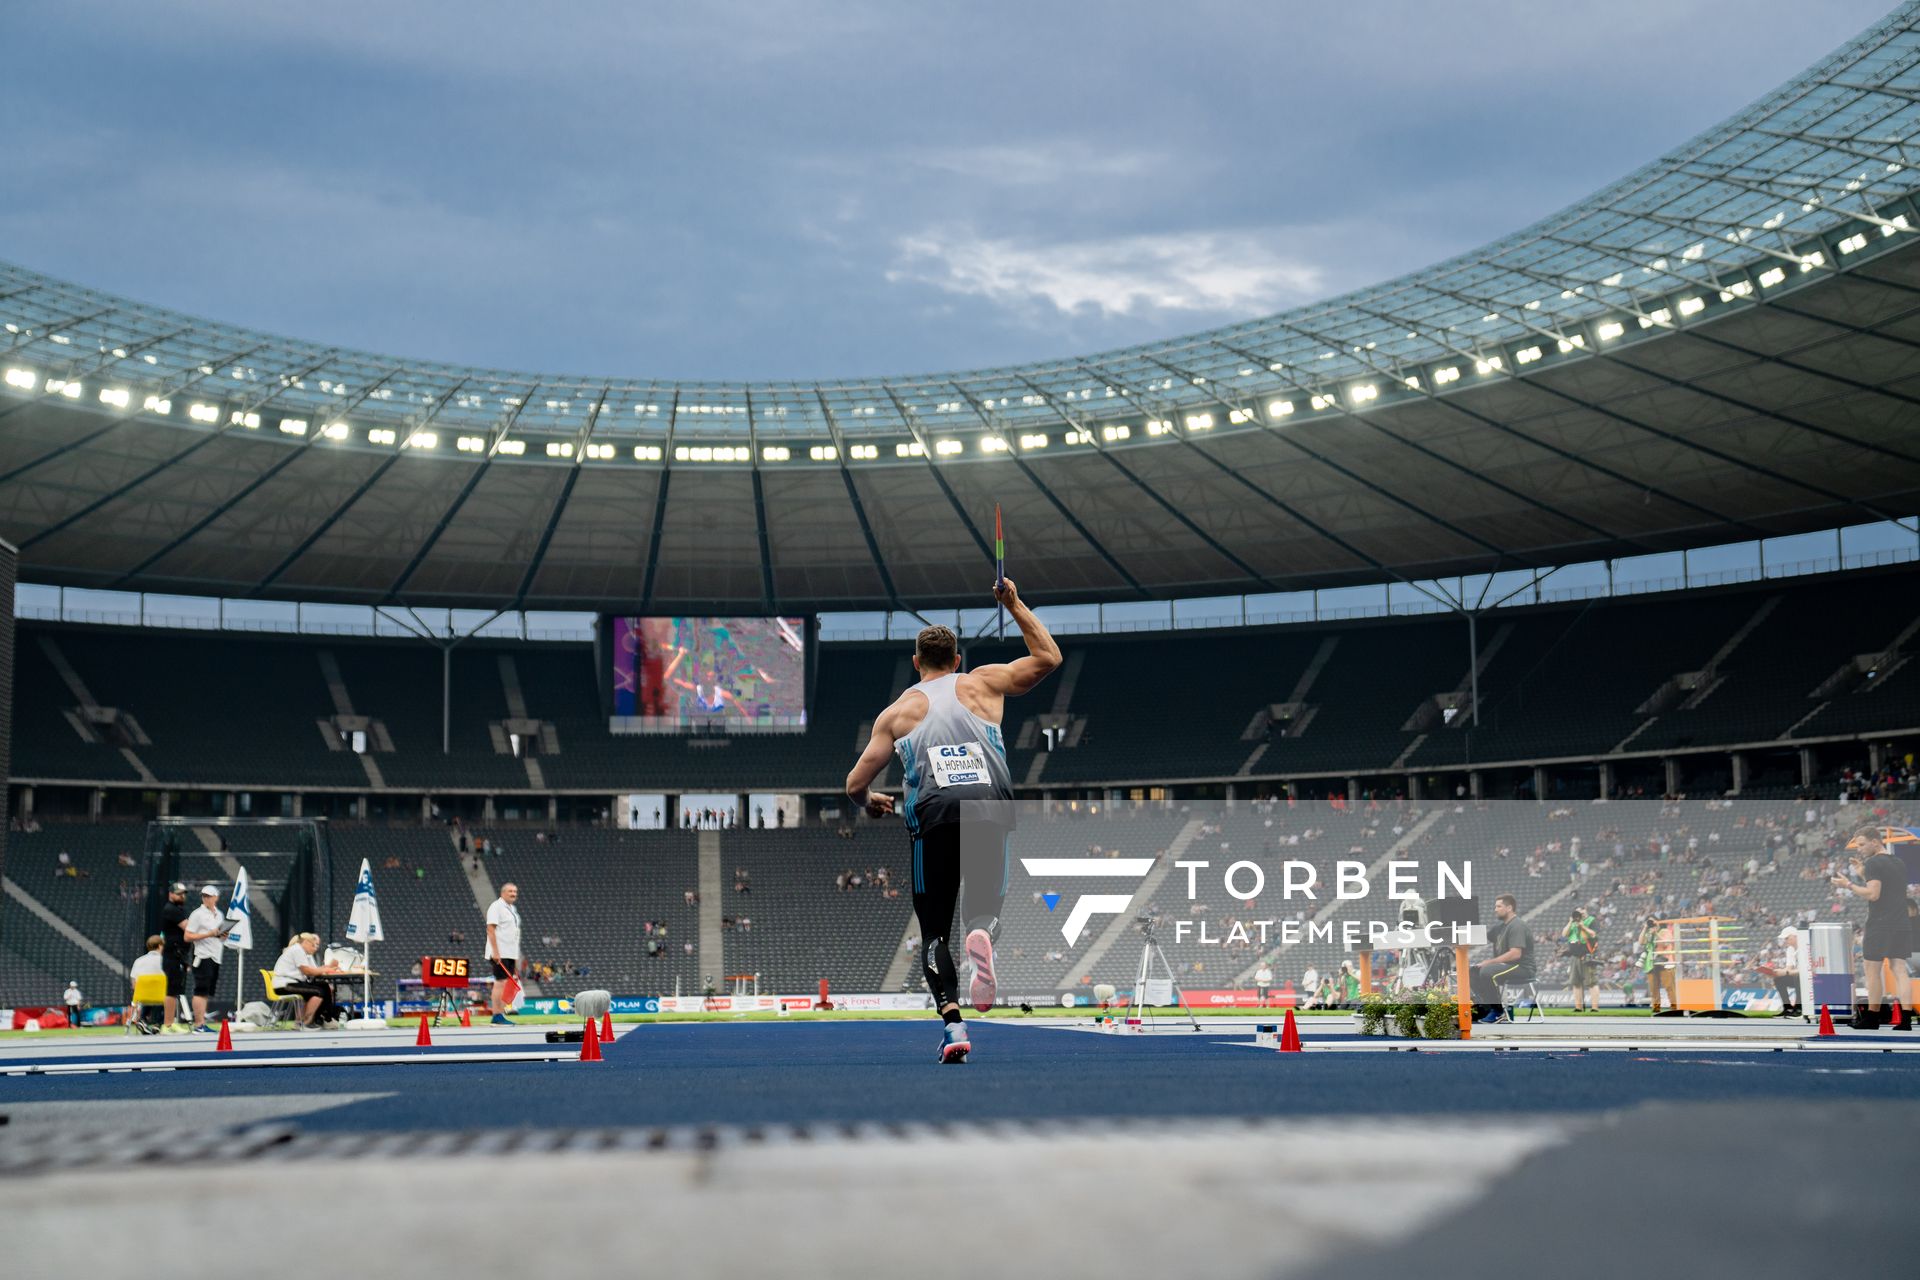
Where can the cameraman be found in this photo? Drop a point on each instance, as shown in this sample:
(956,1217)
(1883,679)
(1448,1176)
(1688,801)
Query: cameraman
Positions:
(1654,958)
(1579,937)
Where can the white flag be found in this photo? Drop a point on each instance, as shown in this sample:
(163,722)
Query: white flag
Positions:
(364,924)
(240,911)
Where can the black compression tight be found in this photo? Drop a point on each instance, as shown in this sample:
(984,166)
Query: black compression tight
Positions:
(945,858)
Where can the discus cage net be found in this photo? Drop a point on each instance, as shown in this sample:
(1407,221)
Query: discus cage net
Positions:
(289,866)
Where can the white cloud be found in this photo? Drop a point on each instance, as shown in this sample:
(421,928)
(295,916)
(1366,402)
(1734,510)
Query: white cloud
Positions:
(1217,272)
(1062,161)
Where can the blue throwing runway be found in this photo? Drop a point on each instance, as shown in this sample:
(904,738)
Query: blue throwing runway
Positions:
(884,1072)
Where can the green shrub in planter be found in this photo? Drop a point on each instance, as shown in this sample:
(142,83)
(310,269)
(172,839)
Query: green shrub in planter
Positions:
(1375,1010)
(1407,1011)
(1440,1020)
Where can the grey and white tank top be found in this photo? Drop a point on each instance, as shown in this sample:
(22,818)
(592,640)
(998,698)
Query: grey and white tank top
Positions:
(952,757)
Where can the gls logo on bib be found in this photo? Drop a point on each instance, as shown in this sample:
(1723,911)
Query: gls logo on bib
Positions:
(960,765)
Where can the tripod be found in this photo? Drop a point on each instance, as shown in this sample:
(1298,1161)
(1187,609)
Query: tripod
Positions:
(1149,951)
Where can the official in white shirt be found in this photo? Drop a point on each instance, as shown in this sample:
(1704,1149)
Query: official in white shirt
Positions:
(297,973)
(503,948)
(146,1018)
(206,931)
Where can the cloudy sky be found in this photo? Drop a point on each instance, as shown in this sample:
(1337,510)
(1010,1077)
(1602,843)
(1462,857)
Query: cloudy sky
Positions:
(777,190)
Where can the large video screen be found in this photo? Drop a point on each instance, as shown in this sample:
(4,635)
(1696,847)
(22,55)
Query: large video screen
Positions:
(717,672)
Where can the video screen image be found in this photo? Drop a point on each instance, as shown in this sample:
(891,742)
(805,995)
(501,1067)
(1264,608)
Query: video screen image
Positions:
(694,670)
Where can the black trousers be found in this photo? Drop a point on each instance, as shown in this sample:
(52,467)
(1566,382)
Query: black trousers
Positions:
(1486,984)
(945,858)
(328,1009)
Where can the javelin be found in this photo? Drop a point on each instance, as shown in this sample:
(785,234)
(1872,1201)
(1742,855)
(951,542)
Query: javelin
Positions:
(999,568)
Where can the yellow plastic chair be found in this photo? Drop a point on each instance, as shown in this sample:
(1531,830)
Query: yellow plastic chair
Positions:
(286,1008)
(149,989)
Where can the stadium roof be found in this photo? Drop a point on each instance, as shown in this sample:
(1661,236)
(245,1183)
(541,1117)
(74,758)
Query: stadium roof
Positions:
(1724,343)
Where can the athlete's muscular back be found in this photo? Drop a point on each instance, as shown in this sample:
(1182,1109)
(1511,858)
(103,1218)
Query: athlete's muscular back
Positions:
(983,691)
(974,693)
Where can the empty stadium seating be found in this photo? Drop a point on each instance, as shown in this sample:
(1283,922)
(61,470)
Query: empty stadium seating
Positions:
(803,927)
(1763,663)
(587,894)
(594,890)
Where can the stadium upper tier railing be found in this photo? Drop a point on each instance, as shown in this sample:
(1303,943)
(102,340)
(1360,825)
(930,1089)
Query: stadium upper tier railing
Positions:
(57,604)
(1814,175)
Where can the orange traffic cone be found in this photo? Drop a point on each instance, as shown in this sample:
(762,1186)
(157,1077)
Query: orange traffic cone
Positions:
(606,1027)
(466,1016)
(590,1045)
(425,1038)
(1289,1035)
(1826,1021)
(225,1043)
(1894,1016)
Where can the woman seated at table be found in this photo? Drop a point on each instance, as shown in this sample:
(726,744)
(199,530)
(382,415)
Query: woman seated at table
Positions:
(297,973)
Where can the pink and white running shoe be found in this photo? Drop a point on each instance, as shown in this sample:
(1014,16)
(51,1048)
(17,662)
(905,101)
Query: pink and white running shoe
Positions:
(980,984)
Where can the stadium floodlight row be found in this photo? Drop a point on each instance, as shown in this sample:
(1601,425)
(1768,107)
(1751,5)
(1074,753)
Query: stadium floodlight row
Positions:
(1711,342)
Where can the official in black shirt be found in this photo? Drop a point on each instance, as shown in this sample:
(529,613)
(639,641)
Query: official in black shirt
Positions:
(1882,881)
(175,950)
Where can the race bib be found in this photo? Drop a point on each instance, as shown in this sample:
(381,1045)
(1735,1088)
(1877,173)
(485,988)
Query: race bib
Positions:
(963,764)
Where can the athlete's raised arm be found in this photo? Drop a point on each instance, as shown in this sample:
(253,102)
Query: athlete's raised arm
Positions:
(872,761)
(1043,656)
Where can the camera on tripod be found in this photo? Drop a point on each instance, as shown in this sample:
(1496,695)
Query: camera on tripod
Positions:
(1147,920)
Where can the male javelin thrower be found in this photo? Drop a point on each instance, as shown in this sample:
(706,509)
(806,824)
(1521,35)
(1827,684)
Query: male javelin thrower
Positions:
(959,799)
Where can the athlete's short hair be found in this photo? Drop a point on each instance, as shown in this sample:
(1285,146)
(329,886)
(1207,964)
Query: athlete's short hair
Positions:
(937,647)
(1509,899)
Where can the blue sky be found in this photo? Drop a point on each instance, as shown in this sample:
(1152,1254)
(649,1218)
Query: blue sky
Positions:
(781,190)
